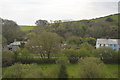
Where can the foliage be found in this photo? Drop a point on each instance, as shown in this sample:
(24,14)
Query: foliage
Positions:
(63,71)
(7,58)
(72,55)
(90,40)
(23,71)
(108,55)
(86,46)
(10,29)
(62,60)
(92,68)
(41,22)
(45,43)
(4,41)
(75,40)
(83,52)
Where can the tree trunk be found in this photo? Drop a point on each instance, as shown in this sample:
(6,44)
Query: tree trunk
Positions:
(49,55)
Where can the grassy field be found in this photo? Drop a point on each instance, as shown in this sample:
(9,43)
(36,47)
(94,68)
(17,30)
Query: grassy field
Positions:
(74,69)
(27,28)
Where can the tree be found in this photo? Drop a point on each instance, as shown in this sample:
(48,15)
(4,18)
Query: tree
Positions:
(83,52)
(75,40)
(90,40)
(92,68)
(45,43)
(72,55)
(109,19)
(4,42)
(7,58)
(11,31)
(106,54)
(41,22)
(87,46)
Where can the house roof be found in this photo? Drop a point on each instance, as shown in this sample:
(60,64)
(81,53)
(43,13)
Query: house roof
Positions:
(108,41)
(15,44)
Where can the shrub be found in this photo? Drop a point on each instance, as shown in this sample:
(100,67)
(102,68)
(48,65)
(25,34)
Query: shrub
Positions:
(62,60)
(7,58)
(92,68)
(106,54)
(83,52)
(36,60)
(109,19)
(63,72)
(18,70)
(72,55)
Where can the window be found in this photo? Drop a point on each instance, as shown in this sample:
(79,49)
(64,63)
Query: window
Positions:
(110,44)
(103,44)
(115,45)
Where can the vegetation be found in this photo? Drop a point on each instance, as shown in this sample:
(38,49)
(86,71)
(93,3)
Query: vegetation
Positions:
(27,28)
(92,68)
(61,49)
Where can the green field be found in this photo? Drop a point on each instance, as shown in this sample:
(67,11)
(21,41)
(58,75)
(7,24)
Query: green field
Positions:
(27,28)
(74,69)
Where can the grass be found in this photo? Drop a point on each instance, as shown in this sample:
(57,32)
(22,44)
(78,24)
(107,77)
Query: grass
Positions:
(73,69)
(27,28)
(73,72)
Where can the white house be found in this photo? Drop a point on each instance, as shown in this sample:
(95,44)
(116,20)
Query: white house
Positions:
(14,45)
(113,43)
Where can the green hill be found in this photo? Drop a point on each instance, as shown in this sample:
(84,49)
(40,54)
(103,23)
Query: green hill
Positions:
(103,27)
(27,28)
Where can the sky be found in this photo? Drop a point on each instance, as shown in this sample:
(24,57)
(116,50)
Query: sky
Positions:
(26,12)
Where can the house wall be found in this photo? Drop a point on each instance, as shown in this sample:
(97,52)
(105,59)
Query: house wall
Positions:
(113,46)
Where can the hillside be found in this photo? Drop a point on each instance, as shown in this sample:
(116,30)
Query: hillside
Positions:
(104,27)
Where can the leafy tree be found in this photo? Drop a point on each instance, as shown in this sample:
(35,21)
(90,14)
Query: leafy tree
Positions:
(72,55)
(11,30)
(90,40)
(4,42)
(109,19)
(106,54)
(83,52)
(87,46)
(7,58)
(41,22)
(75,40)
(92,68)
(45,43)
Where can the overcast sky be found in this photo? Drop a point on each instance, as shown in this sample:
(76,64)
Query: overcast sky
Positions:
(26,12)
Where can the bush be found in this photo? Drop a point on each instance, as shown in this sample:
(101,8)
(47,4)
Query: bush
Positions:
(23,71)
(36,60)
(72,55)
(109,19)
(83,52)
(7,58)
(92,68)
(63,72)
(62,60)
(107,55)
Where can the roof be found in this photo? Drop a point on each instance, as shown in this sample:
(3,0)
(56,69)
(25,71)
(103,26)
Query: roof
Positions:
(108,41)
(15,43)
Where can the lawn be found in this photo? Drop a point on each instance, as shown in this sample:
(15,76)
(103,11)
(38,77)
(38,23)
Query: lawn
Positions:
(73,72)
(73,69)
(27,28)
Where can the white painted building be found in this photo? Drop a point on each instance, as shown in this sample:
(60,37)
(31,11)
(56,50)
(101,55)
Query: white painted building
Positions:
(113,43)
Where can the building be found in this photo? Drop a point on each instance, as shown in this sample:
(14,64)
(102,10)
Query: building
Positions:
(112,43)
(13,46)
